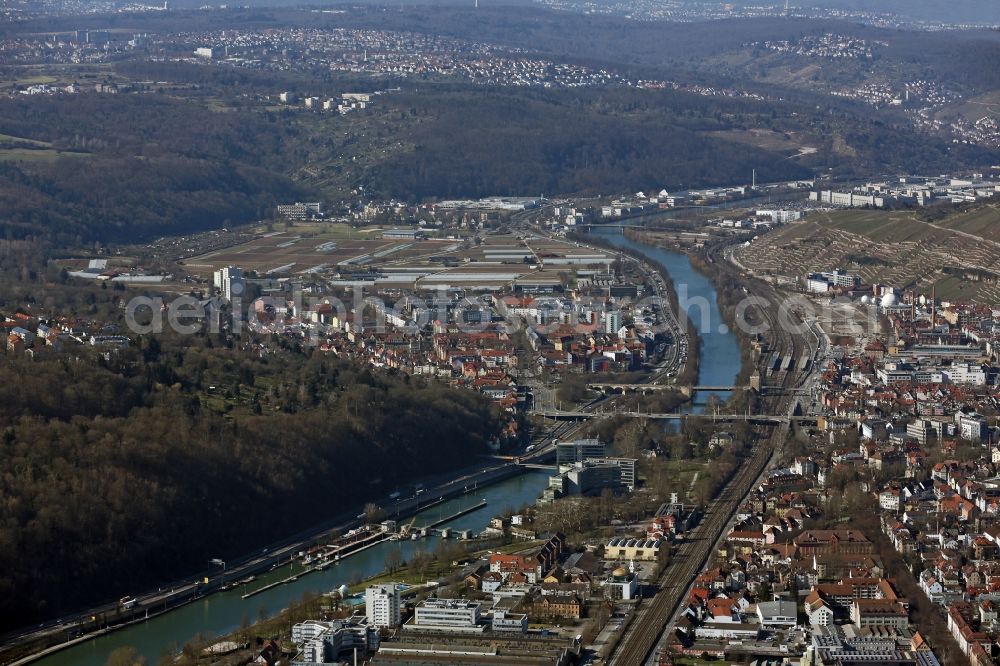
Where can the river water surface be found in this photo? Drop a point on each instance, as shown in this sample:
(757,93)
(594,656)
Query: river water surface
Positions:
(223,612)
(720,352)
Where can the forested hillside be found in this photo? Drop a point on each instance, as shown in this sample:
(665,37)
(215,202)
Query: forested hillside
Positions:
(141,165)
(117,478)
(499,143)
(483,142)
(134,166)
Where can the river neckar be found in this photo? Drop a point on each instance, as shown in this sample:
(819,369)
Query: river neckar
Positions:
(720,352)
(223,612)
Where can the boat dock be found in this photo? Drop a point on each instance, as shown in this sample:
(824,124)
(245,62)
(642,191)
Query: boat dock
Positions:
(332,557)
(459,514)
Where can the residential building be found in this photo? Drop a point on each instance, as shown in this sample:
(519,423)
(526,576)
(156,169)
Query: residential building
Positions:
(921,430)
(300,210)
(612,321)
(972,426)
(833,541)
(960,624)
(230,282)
(382,605)
(879,612)
(557,605)
(821,283)
(889,499)
(818,611)
(528,568)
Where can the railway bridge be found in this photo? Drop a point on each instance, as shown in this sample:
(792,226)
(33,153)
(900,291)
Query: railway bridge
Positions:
(765,419)
(606,388)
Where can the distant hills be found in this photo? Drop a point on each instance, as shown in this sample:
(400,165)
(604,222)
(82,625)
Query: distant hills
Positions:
(952,11)
(187,146)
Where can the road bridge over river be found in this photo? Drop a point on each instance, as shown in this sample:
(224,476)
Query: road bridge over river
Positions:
(767,419)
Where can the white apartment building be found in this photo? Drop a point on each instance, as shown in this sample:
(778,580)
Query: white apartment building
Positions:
(229,281)
(612,321)
(382,605)
(300,210)
(889,500)
(972,427)
(817,285)
(780,216)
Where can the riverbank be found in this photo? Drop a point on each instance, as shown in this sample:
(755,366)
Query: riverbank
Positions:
(222,611)
(730,290)
(682,325)
(718,355)
(423,575)
(730,293)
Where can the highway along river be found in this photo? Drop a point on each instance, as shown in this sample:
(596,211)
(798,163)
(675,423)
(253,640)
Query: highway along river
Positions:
(222,612)
(720,353)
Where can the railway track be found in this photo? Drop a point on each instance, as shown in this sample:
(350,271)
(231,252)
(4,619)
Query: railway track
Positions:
(652,619)
(648,626)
